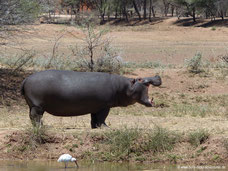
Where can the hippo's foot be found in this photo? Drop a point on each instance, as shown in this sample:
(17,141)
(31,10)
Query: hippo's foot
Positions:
(102,126)
(99,125)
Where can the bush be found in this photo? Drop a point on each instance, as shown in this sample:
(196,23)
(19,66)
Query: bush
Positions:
(198,137)
(194,65)
(18,62)
(37,135)
(224,58)
(121,142)
(161,140)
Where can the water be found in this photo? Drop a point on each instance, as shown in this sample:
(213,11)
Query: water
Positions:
(99,166)
(84,166)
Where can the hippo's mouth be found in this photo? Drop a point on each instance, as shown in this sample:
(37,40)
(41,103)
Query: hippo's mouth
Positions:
(151,101)
(148,102)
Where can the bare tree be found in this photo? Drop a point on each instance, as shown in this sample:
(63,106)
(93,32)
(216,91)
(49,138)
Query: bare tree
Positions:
(165,7)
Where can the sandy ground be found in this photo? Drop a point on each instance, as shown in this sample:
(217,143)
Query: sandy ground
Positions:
(164,42)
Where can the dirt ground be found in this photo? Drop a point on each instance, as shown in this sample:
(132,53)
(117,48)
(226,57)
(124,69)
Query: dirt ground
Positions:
(165,42)
(184,102)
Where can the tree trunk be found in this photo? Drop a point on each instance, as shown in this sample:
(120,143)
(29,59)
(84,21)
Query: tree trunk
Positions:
(153,12)
(116,13)
(172,10)
(166,7)
(102,18)
(49,17)
(144,9)
(222,14)
(150,11)
(137,10)
(194,14)
(125,12)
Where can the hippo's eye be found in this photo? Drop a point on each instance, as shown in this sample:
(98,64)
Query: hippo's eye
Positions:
(140,80)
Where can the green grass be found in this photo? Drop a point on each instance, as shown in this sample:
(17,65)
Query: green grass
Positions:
(198,137)
(161,140)
(213,28)
(133,143)
(122,142)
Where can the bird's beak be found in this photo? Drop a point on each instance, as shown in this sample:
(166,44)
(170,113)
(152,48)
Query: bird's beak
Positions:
(76,164)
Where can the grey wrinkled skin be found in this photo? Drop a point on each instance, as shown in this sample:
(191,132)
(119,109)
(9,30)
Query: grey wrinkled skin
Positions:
(69,93)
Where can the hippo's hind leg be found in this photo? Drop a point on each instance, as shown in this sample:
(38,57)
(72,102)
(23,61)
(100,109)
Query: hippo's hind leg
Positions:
(35,115)
(98,119)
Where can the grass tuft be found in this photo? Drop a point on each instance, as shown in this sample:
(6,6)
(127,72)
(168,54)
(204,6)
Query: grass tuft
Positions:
(198,137)
(194,65)
(121,142)
(161,140)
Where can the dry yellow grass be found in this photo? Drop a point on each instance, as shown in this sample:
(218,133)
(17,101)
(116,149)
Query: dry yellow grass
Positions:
(163,42)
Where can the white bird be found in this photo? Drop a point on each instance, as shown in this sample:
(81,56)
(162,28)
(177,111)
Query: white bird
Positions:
(65,158)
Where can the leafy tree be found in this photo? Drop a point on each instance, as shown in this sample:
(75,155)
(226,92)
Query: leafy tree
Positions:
(101,6)
(222,7)
(16,12)
(49,6)
(207,7)
(190,7)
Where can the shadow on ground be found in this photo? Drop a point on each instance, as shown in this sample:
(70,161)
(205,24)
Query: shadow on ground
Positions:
(201,22)
(134,21)
(10,84)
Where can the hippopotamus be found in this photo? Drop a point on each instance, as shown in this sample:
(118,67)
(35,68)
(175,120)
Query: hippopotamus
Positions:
(71,93)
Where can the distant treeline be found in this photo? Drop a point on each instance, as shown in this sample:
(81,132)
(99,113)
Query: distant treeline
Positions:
(147,9)
(24,11)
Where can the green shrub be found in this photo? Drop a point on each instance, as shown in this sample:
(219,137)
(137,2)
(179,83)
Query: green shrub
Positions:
(161,140)
(195,65)
(18,62)
(37,134)
(121,142)
(198,137)
(213,28)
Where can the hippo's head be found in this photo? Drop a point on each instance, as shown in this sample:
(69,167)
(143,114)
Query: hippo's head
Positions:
(140,87)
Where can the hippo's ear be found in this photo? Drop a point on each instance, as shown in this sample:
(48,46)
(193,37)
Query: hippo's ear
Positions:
(133,81)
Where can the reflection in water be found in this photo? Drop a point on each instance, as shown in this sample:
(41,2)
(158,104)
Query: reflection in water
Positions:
(84,166)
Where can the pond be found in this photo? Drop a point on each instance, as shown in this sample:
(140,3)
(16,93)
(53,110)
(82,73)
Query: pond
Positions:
(98,166)
(84,166)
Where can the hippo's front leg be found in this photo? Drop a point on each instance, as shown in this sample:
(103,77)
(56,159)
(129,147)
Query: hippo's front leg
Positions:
(98,119)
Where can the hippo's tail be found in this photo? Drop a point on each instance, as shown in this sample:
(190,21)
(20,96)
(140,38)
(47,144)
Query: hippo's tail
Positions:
(22,87)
